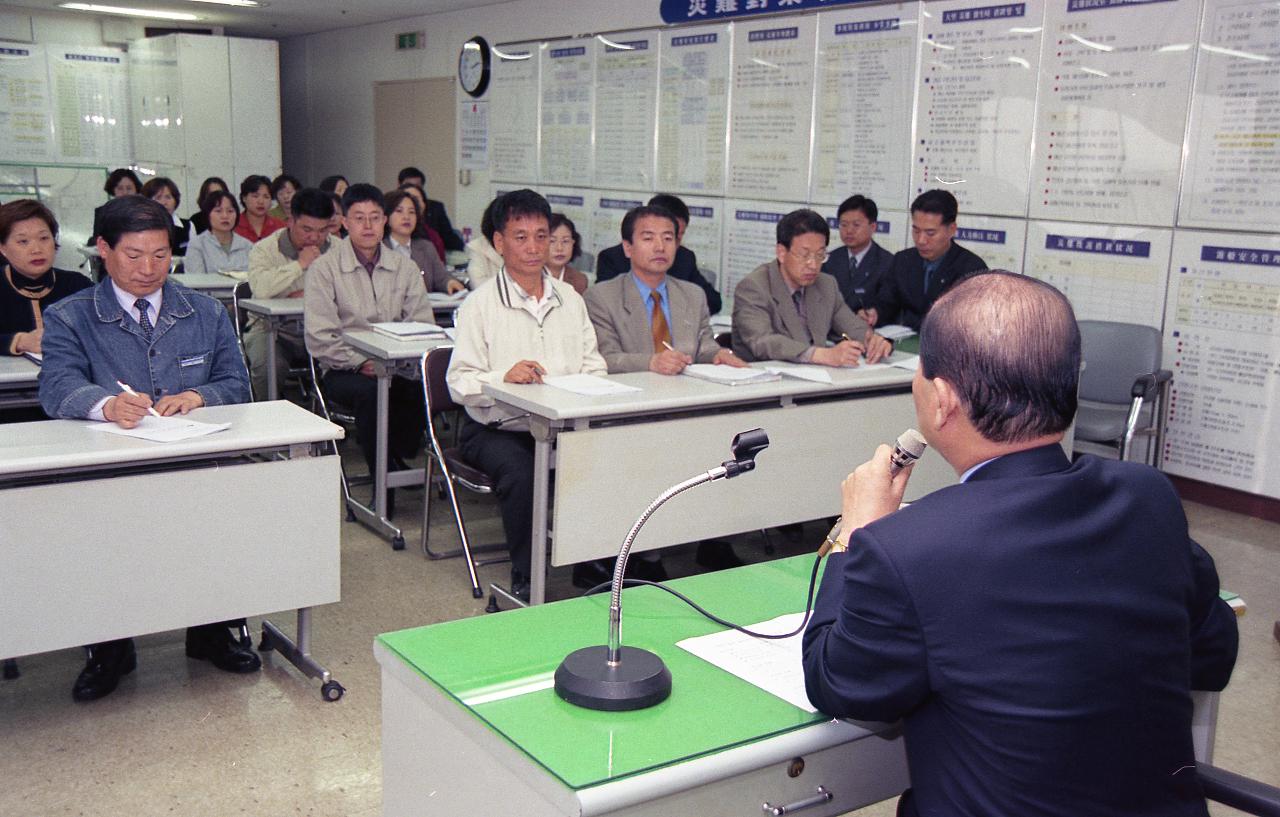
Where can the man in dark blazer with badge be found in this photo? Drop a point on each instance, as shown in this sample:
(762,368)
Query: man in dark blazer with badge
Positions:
(860,266)
(920,274)
(1038,628)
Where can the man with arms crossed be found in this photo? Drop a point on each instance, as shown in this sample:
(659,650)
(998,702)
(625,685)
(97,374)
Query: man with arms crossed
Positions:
(786,309)
(1039,626)
(277,269)
(921,273)
(177,350)
(516,327)
(859,266)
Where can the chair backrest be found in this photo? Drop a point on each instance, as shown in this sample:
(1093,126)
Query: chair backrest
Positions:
(435,364)
(1115,354)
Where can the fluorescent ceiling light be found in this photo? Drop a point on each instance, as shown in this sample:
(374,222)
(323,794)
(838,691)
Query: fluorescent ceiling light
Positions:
(129,12)
(239,3)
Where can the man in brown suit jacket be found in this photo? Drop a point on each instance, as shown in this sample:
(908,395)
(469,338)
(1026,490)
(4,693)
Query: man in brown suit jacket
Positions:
(786,310)
(647,320)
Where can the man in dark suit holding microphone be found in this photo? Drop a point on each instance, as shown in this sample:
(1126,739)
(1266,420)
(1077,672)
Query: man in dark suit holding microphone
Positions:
(1038,627)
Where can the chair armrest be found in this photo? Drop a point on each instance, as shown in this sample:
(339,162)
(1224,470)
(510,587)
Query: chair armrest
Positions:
(1144,385)
(1239,792)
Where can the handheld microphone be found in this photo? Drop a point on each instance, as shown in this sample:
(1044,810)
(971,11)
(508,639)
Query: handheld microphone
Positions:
(908,448)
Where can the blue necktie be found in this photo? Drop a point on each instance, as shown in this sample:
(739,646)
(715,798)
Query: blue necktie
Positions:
(929,270)
(143,304)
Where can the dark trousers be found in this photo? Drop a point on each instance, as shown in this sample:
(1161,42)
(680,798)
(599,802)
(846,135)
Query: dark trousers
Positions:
(507,457)
(406,417)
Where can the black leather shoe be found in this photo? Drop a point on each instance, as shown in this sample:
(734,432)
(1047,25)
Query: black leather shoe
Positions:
(717,554)
(587,575)
(216,644)
(520,586)
(650,571)
(107,663)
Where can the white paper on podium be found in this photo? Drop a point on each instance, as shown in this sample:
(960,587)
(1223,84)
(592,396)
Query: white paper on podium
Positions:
(774,665)
(163,429)
(588,384)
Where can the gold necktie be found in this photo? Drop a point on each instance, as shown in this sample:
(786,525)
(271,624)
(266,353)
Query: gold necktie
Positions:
(658,321)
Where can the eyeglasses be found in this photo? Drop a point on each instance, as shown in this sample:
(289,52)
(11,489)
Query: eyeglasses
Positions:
(818,258)
(375,220)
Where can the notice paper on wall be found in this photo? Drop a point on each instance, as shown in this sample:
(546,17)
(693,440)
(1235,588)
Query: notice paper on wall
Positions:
(774,665)
(163,429)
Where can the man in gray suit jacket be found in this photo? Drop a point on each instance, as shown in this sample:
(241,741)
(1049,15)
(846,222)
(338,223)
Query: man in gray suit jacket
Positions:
(786,309)
(646,319)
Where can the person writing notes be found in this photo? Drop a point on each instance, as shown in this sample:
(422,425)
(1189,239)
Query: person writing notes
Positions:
(176,348)
(1038,627)
(786,309)
(647,319)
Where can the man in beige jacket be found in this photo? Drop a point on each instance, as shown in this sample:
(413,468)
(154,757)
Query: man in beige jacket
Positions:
(277,269)
(358,283)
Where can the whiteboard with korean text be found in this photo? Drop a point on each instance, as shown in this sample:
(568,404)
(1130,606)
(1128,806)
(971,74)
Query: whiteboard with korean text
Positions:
(626,99)
(693,110)
(568,82)
(513,123)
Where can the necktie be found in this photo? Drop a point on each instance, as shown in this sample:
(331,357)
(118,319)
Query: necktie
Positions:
(929,269)
(658,324)
(142,304)
(797,298)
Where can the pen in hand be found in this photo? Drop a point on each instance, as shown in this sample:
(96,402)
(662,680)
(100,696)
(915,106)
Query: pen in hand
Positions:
(129,391)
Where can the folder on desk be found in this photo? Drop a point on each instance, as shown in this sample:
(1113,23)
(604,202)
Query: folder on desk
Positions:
(729,375)
(409,330)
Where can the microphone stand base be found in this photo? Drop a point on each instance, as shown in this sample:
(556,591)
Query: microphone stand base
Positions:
(640,679)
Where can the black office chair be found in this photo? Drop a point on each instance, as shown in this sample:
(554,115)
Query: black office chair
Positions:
(453,467)
(1239,792)
(1123,390)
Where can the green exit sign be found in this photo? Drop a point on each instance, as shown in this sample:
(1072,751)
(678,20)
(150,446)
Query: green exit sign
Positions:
(411,40)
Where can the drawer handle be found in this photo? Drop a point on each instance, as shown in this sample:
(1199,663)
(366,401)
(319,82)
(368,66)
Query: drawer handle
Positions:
(823,796)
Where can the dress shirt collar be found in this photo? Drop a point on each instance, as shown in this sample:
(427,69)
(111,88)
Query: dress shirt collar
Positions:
(858,256)
(965,476)
(127,302)
(646,291)
(371,263)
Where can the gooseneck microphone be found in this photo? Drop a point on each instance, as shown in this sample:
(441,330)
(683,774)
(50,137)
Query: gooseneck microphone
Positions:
(614,678)
(908,448)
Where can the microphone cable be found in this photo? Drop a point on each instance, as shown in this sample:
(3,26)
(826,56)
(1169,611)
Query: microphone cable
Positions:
(808,605)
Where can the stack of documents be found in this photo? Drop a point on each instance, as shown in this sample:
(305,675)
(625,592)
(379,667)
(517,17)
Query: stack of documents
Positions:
(774,665)
(729,375)
(800,371)
(409,330)
(236,274)
(895,331)
(439,298)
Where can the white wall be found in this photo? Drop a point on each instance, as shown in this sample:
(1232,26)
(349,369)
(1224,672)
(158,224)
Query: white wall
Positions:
(62,28)
(336,71)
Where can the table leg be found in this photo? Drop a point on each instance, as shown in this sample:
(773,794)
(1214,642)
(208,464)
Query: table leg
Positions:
(543,440)
(273,336)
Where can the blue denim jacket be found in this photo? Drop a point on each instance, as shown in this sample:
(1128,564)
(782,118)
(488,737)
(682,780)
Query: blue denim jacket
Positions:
(90,342)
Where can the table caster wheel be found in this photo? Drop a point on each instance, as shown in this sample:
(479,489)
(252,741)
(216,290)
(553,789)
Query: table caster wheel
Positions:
(332,691)
(397,543)
(264,644)
(492,606)
(351,516)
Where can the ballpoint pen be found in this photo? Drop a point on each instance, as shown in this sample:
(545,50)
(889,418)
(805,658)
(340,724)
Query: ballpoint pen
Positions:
(129,391)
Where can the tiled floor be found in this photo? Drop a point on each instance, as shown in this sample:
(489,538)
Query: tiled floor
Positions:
(180,737)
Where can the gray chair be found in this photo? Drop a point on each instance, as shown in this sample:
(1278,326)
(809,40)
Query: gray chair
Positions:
(1123,390)
(1238,792)
(454,469)
(239,318)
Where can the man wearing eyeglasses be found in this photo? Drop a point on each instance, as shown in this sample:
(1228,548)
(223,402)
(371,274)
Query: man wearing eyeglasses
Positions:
(786,309)
(354,285)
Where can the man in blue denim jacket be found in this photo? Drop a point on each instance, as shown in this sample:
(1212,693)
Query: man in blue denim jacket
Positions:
(175,348)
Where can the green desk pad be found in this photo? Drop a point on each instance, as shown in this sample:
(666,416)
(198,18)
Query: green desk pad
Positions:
(709,710)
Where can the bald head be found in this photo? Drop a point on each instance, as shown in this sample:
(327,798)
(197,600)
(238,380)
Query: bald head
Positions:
(1010,346)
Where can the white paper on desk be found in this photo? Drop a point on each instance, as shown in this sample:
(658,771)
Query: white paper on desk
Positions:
(236,274)
(163,429)
(895,331)
(446,298)
(816,374)
(589,385)
(729,375)
(774,665)
(910,363)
